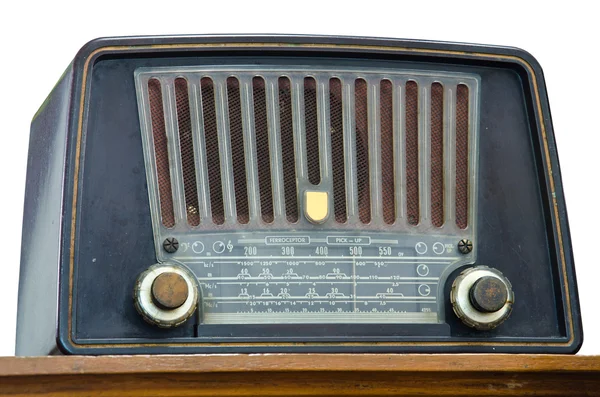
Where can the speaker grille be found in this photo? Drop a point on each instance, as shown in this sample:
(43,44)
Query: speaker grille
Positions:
(462,155)
(394,150)
(238,156)
(161,153)
(184,125)
(288,156)
(337,150)
(437,154)
(262,148)
(362,150)
(412,152)
(213,157)
(388,187)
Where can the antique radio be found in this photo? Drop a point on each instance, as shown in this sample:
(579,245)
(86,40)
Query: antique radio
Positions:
(295,194)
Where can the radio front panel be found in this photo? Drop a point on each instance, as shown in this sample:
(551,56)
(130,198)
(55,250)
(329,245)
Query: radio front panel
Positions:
(297,194)
(393,214)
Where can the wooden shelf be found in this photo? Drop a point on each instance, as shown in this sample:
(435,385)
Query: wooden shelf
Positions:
(301,374)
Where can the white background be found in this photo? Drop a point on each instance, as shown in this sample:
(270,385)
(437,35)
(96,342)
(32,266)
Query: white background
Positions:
(38,40)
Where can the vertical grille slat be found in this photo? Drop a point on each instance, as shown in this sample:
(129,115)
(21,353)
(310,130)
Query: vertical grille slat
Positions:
(299,126)
(350,167)
(248,123)
(228,148)
(449,156)
(288,151)
(169,103)
(272,94)
(399,147)
(323,114)
(311,122)
(374,111)
(223,130)
(197,124)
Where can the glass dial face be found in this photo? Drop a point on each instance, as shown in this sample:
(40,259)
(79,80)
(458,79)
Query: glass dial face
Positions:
(319,277)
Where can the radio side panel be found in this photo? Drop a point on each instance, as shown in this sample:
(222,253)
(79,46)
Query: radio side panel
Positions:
(42,224)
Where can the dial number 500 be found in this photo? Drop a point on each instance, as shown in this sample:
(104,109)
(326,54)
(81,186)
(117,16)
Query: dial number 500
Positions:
(355,251)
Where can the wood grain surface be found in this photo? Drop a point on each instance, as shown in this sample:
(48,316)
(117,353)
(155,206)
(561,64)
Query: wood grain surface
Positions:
(301,375)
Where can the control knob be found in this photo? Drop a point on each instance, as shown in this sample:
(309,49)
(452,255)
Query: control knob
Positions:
(482,297)
(166,295)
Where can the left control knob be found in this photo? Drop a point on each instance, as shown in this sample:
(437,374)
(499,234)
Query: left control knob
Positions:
(166,295)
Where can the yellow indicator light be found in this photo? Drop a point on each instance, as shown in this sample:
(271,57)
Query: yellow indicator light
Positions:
(316,206)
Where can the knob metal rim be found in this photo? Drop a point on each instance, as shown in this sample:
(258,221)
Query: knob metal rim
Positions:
(162,315)
(473,310)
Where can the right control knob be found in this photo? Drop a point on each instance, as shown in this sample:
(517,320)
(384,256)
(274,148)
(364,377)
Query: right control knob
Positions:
(482,297)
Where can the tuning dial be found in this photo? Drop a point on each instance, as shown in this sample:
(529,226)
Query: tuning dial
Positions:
(166,295)
(482,297)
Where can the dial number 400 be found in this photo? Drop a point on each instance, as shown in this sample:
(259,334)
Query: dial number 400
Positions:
(322,251)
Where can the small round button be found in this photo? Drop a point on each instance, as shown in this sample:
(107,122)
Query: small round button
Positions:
(488,294)
(169,290)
